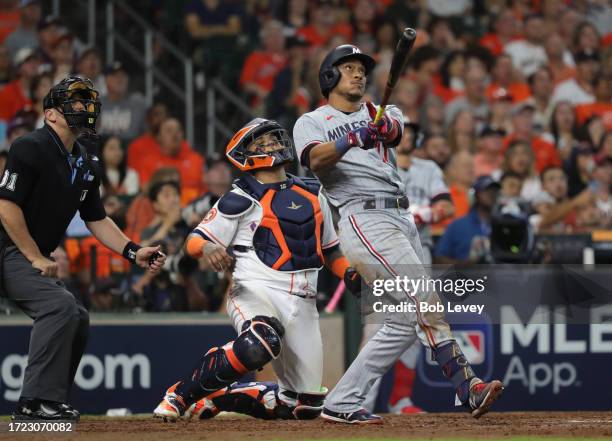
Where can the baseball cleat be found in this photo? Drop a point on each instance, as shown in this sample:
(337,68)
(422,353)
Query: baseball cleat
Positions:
(360,416)
(172,406)
(33,409)
(482,396)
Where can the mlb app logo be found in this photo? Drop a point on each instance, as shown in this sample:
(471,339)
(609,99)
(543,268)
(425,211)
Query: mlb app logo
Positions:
(476,342)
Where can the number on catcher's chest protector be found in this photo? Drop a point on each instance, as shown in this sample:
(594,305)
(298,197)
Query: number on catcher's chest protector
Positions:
(9,180)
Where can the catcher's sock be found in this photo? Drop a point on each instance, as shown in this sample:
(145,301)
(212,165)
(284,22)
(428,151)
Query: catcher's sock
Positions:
(455,367)
(403,382)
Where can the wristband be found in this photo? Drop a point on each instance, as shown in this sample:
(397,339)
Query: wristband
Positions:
(346,142)
(130,250)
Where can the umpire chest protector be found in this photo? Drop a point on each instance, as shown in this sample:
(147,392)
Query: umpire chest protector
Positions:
(288,238)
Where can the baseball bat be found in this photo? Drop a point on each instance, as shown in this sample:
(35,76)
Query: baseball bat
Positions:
(404,45)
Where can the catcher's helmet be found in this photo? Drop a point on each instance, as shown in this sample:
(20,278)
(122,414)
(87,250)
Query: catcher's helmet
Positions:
(237,149)
(69,91)
(329,74)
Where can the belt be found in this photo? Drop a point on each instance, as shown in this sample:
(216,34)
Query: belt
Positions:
(372,204)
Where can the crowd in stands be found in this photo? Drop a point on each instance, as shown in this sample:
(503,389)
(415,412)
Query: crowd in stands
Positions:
(517,91)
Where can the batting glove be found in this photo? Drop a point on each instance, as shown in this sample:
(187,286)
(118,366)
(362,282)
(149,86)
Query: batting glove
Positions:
(352,280)
(384,126)
(363,137)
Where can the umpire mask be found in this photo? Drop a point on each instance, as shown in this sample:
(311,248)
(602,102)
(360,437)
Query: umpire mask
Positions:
(66,96)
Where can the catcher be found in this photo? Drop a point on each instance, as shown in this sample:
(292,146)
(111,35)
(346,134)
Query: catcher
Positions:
(276,229)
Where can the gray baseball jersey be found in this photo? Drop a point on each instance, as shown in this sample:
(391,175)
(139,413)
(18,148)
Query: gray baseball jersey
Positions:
(423,183)
(360,174)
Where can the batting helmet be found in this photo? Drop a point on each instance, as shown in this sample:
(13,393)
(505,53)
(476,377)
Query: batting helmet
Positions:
(238,153)
(329,74)
(70,90)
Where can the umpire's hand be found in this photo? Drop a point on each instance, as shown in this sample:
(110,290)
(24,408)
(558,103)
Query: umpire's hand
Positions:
(151,258)
(47,267)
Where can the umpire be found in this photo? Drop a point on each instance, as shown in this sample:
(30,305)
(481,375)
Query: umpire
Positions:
(48,177)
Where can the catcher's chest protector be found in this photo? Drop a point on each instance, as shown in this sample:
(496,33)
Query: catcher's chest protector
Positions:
(288,237)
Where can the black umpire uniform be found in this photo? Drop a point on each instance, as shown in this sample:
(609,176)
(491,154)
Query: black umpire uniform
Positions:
(50,185)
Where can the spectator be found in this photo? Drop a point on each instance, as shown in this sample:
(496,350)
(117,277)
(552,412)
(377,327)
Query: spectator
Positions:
(387,36)
(510,187)
(466,240)
(25,35)
(41,84)
(423,65)
(602,106)
(5,66)
(490,151)
(501,111)
(89,65)
(214,26)
(9,18)
(523,130)
(140,213)
(16,94)
(172,154)
(21,124)
(559,59)
(406,97)
(262,66)
(451,83)
(541,86)
(475,99)
(431,115)
(563,129)
(161,292)
(568,22)
(460,176)
(462,132)
(146,144)
(579,90)
(288,98)
(63,273)
(506,80)
(579,168)
(602,180)
(294,14)
(586,38)
(504,31)
(123,112)
(117,178)
(364,16)
(49,30)
(604,148)
(555,211)
(324,24)
(599,13)
(528,54)
(62,54)
(519,160)
(219,182)
(441,34)
(436,148)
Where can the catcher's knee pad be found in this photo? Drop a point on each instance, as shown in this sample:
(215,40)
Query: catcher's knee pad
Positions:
(258,343)
(300,406)
(455,367)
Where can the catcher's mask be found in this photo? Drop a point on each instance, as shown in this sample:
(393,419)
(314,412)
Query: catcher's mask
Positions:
(261,143)
(67,93)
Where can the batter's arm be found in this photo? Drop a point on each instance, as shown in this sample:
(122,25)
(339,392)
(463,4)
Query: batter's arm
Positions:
(323,156)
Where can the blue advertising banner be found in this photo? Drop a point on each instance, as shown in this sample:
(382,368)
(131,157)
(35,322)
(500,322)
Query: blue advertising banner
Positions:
(544,366)
(124,366)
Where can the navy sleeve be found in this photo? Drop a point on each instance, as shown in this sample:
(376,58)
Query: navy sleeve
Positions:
(20,173)
(91,208)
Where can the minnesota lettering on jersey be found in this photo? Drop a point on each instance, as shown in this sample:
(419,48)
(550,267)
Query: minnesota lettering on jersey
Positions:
(343,129)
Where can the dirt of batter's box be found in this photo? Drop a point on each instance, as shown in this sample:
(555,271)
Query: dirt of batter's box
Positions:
(428,426)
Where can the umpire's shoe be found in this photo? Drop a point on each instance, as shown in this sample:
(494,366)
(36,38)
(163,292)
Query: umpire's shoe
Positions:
(360,416)
(172,406)
(482,396)
(33,409)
